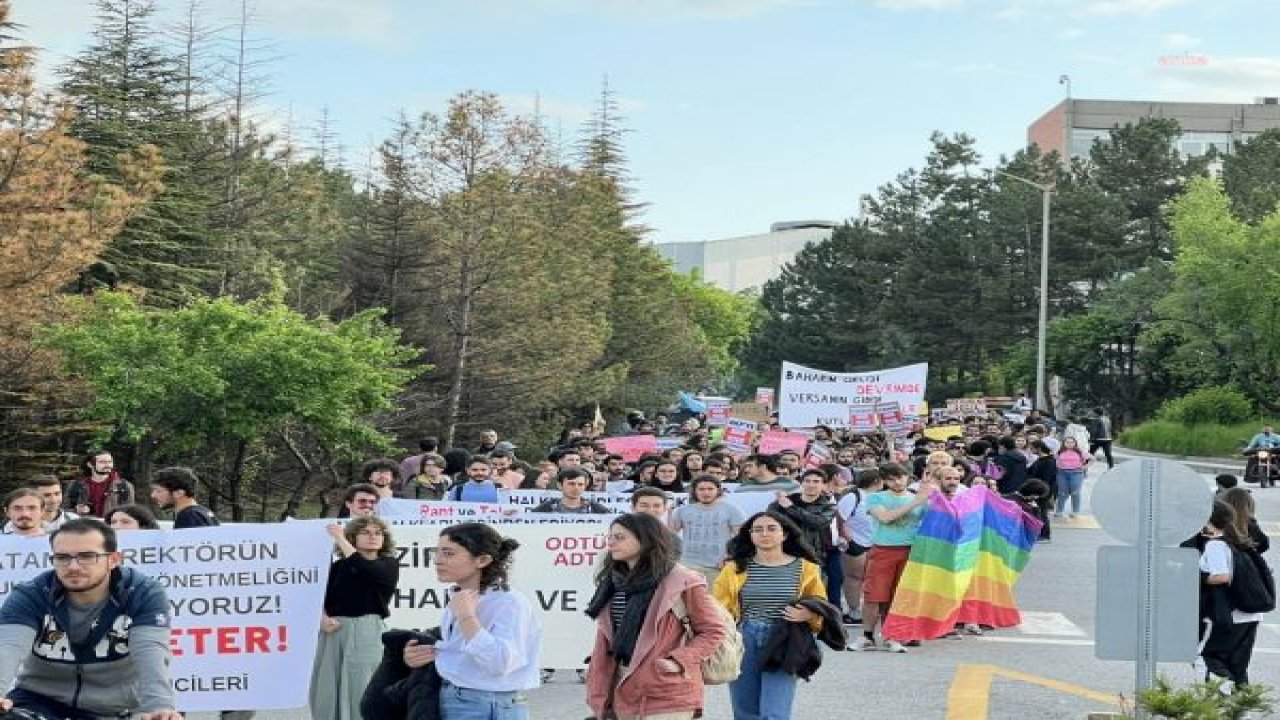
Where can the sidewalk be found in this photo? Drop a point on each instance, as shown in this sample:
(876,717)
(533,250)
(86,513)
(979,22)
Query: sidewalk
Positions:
(1205,465)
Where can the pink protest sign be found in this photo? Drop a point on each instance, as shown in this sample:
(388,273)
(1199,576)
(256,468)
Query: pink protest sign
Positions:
(773,442)
(631,447)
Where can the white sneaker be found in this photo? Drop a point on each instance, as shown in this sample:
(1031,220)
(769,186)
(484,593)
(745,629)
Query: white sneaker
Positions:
(894,646)
(972,629)
(547,674)
(861,643)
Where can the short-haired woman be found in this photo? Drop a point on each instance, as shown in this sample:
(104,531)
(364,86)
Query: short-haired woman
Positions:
(642,665)
(487,656)
(770,568)
(356,603)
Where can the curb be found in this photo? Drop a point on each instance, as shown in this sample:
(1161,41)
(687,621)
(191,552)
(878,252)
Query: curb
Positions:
(1204,465)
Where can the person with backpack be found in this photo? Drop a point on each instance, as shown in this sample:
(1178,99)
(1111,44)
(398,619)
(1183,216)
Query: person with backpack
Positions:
(1236,591)
(853,508)
(656,625)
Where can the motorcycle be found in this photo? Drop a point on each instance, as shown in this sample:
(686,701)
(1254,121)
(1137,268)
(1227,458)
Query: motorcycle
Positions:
(1263,467)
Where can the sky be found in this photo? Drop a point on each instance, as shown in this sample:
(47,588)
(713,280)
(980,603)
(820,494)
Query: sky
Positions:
(740,112)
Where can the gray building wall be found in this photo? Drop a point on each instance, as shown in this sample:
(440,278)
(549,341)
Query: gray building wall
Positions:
(741,263)
(1204,125)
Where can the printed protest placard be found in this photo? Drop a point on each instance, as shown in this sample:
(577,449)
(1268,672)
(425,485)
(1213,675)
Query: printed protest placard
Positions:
(810,397)
(631,447)
(862,419)
(773,442)
(764,396)
(244,603)
(942,433)
(718,410)
(738,436)
(966,406)
(449,510)
(819,453)
(891,418)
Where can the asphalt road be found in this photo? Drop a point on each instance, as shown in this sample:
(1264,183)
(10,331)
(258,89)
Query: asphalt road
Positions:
(1044,669)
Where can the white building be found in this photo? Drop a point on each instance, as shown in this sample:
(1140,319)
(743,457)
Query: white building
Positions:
(741,263)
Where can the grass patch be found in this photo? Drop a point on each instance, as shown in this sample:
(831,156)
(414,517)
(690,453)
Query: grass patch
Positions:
(1162,436)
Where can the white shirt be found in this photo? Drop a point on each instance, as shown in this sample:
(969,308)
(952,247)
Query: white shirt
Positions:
(853,508)
(1217,559)
(502,656)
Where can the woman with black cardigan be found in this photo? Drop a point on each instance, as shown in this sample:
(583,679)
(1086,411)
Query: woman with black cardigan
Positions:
(357,600)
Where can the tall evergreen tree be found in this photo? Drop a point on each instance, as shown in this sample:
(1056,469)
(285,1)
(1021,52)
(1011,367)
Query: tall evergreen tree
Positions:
(127,92)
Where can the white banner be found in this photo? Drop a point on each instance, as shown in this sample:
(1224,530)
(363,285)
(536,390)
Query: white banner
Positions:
(810,397)
(245,602)
(554,567)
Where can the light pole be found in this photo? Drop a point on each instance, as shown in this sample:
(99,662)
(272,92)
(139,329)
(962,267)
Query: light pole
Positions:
(1042,332)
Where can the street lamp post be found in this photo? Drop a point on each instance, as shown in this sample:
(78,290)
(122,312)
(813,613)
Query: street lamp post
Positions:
(1042,332)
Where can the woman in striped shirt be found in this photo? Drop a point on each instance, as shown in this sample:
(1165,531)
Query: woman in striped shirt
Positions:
(770,567)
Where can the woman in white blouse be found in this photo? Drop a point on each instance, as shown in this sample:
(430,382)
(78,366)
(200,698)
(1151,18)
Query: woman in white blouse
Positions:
(487,657)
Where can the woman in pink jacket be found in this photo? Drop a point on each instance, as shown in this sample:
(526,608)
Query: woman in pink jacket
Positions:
(642,666)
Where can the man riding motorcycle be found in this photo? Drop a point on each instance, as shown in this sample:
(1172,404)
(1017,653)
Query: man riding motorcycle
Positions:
(1263,465)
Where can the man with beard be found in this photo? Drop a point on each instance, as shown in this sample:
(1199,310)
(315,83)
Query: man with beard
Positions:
(25,510)
(112,621)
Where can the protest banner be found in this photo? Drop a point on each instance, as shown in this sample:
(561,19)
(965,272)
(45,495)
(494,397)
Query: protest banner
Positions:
(965,407)
(669,443)
(773,442)
(617,502)
(244,605)
(554,568)
(717,411)
(738,436)
(631,447)
(942,433)
(764,396)
(449,510)
(809,397)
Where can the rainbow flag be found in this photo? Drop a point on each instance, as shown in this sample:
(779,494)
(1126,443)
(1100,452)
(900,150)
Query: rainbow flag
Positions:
(963,566)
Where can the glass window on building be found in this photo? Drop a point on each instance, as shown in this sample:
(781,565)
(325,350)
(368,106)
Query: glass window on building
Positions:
(1194,144)
(1082,140)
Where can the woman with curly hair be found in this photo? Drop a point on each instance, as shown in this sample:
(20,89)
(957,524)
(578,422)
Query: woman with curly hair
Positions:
(357,600)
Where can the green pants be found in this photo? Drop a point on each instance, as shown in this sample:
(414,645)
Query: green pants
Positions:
(345,661)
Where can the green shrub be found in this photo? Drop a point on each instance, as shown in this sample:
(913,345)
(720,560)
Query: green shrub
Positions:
(1205,700)
(1219,405)
(1162,436)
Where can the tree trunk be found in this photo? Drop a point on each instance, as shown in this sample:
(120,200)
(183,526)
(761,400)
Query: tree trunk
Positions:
(461,345)
(234,481)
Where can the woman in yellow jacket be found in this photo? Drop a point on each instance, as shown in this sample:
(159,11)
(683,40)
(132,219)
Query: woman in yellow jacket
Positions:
(769,567)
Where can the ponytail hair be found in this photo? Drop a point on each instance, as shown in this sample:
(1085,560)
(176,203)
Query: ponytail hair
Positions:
(481,539)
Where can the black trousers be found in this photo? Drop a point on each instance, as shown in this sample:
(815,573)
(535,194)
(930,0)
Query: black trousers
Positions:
(1229,649)
(1106,451)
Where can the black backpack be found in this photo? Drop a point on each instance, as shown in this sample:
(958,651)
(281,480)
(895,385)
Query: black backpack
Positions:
(1252,588)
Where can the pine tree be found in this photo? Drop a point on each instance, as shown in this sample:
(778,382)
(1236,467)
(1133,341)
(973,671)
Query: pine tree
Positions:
(127,92)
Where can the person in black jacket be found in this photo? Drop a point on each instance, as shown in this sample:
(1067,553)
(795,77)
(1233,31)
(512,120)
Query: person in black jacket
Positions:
(1044,469)
(1013,466)
(792,647)
(356,602)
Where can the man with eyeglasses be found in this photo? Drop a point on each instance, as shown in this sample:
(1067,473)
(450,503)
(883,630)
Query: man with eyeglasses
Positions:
(361,500)
(88,639)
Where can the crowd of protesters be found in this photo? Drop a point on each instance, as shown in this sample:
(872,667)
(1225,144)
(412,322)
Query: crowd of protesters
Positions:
(825,555)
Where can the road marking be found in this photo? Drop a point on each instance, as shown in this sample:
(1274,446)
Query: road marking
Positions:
(1049,623)
(1035,641)
(969,697)
(1270,528)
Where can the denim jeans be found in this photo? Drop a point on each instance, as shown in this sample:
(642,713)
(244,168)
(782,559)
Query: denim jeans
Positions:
(1069,484)
(458,703)
(833,574)
(759,695)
